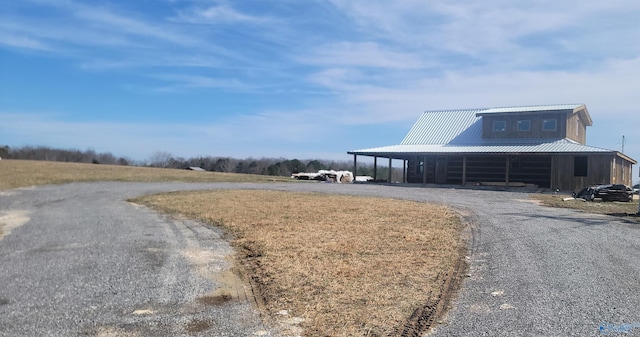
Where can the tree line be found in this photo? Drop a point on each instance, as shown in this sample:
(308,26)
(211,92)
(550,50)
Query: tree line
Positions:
(263,166)
(163,159)
(71,156)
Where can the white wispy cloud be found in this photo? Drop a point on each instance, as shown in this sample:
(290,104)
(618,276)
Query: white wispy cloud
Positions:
(109,23)
(217,14)
(102,37)
(490,29)
(23,42)
(361,54)
(610,89)
(181,82)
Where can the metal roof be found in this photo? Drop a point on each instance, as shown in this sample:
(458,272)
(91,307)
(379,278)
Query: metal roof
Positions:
(533,108)
(442,127)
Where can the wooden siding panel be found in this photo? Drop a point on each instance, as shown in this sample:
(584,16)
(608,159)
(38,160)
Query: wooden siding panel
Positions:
(534,170)
(621,172)
(576,129)
(486,169)
(599,169)
(454,170)
(415,173)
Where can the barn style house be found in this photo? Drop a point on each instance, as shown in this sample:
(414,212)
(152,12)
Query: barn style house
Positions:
(530,146)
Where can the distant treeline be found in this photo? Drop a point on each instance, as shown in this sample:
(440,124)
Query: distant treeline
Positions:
(70,156)
(263,166)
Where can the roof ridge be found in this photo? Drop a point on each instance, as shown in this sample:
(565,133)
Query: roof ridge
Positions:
(533,106)
(504,107)
(454,110)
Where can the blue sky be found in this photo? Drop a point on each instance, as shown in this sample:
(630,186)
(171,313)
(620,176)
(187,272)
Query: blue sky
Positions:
(303,79)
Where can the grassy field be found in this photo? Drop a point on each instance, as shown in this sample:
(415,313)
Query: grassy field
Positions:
(346,266)
(349,266)
(24,173)
(625,209)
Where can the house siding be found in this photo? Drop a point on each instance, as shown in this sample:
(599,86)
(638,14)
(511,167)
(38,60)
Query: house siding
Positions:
(576,129)
(536,131)
(621,172)
(599,171)
(532,170)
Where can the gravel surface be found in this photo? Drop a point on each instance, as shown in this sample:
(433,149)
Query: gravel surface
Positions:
(89,263)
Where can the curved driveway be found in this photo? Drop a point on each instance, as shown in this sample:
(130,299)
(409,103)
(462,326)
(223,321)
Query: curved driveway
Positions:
(79,260)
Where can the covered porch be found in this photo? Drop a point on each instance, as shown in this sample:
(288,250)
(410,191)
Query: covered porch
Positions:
(502,170)
(564,171)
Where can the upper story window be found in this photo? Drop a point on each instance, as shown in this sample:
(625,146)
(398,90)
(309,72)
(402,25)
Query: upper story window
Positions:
(499,126)
(524,125)
(549,125)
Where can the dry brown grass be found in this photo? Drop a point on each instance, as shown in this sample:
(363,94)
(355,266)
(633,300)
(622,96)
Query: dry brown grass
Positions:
(597,207)
(350,266)
(24,173)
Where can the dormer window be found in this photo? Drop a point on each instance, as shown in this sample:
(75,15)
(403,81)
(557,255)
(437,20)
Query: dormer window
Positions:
(499,126)
(549,125)
(524,125)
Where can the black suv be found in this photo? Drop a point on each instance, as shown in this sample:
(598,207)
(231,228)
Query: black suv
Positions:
(611,192)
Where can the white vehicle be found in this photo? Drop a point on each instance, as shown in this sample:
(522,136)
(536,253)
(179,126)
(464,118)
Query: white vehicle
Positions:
(326,175)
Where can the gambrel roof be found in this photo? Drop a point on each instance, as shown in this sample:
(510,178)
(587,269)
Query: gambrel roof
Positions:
(460,132)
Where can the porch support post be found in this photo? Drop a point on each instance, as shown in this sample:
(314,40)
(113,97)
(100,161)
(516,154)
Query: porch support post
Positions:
(632,182)
(507,166)
(404,171)
(355,166)
(389,175)
(464,170)
(424,170)
(375,168)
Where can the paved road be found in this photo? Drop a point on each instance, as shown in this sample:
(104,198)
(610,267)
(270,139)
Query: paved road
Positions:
(89,263)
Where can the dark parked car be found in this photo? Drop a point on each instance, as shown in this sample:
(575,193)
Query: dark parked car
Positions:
(612,192)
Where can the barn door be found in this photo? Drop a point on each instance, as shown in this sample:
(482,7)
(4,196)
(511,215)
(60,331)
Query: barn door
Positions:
(441,170)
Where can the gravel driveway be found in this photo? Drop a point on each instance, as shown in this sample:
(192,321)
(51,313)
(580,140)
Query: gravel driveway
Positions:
(80,260)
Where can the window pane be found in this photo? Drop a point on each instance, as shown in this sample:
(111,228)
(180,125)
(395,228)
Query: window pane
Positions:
(524,125)
(549,125)
(499,126)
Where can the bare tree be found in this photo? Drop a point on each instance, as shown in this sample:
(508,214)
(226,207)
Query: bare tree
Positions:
(225,164)
(160,159)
